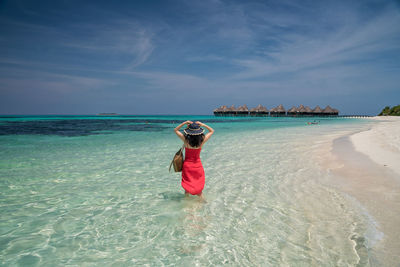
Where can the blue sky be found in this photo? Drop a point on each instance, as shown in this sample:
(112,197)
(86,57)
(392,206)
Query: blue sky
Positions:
(189,57)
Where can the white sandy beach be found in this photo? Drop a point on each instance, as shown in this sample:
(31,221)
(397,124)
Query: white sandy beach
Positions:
(381,143)
(366,166)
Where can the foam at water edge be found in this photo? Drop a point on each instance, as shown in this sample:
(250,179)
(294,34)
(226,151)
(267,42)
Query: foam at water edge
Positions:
(371,236)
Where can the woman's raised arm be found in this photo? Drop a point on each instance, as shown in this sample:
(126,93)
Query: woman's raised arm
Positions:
(210,131)
(178,133)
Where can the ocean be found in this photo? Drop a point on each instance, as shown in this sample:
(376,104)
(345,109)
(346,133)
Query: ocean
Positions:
(95,190)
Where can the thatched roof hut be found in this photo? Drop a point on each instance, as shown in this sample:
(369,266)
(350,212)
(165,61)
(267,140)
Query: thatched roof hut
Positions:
(292,111)
(242,110)
(281,109)
(301,110)
(317,111)
(263,109)
(220,111)
(328,111)
(278,111)
(308,111)
(335,112)
(260,110)
(217,111)
(231,110)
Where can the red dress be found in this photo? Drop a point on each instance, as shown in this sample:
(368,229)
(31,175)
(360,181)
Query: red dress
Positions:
(193,177)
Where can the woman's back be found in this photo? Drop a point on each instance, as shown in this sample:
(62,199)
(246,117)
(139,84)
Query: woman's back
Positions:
(192,154)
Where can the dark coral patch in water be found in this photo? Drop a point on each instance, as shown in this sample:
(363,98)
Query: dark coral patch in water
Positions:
(82,127)
(74,127)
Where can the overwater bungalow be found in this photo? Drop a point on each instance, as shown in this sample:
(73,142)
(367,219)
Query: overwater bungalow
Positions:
(308,111)
(278,111)
(231,111)
(292,111)
(301,110)
(260,110)
(217,111)
(220,111)
(242,111)
(328,111)
(317,111)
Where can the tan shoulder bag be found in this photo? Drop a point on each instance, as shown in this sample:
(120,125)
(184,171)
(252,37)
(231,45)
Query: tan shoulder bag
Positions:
(178,159)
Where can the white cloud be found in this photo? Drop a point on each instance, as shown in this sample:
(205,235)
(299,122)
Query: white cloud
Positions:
(297,52)
(119,37)
(31,80)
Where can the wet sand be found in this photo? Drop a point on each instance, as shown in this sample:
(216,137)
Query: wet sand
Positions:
(362,165)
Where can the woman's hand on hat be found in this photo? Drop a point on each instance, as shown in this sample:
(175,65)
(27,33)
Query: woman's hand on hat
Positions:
(188,122)
(199,123)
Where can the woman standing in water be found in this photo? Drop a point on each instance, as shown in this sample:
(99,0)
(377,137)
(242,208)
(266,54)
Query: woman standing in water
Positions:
(193,177)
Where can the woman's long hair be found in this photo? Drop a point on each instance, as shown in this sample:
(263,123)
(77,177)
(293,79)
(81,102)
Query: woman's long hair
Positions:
(194,140)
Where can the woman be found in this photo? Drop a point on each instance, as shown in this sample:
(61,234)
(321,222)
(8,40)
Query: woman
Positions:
(193,177)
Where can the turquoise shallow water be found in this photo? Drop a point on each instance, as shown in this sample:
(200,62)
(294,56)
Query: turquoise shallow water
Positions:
(85,190)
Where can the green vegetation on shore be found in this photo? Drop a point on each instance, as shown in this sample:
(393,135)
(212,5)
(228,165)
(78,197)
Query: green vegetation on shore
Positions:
(387,111)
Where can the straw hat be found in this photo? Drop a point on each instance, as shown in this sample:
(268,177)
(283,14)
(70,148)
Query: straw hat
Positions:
(193,129)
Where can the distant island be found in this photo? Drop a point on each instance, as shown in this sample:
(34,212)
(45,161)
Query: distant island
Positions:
(107,114)
(387,111)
